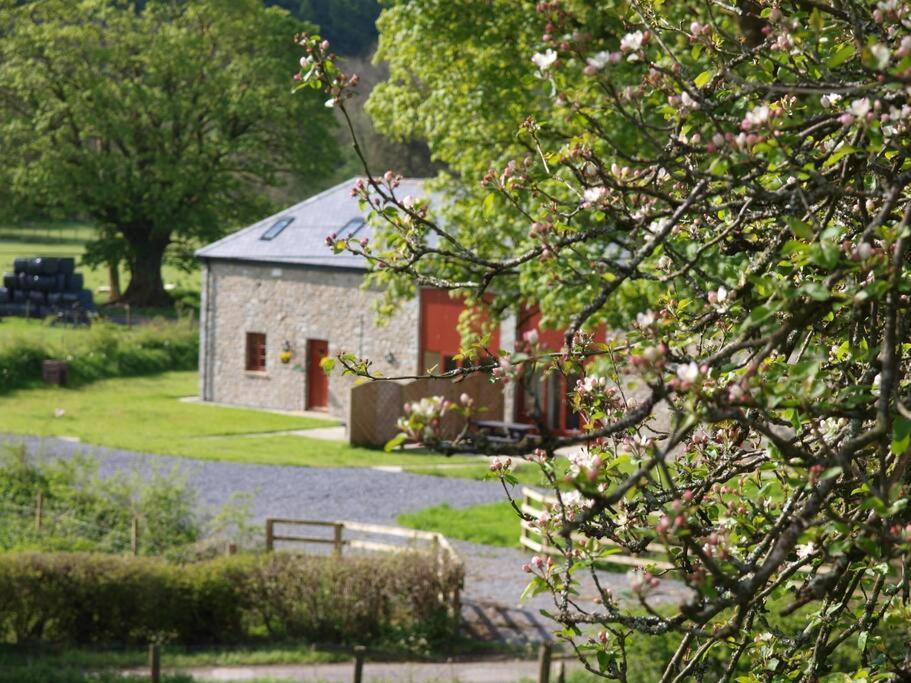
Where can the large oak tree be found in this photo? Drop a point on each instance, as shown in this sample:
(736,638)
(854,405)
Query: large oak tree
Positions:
(163,125)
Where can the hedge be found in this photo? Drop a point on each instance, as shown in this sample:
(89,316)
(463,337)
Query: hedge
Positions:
(76,598)
(105,351)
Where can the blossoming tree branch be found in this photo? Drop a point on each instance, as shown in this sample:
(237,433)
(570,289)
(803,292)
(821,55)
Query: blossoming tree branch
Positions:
(724,188)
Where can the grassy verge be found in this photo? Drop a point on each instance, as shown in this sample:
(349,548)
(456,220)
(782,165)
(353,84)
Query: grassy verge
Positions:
(105,350)
(528,473)
(489,524)
(145,414)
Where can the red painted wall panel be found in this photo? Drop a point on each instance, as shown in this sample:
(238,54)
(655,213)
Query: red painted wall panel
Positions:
(440,322)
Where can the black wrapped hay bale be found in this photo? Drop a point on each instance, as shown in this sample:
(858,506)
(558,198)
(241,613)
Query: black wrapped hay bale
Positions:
(45,265)
(66,265)
(20,265)
(20,296)
(10,280)
(85,299)
(74,282)
(44,283)
(54,298)
(69,298)
(37,297)
(6,295)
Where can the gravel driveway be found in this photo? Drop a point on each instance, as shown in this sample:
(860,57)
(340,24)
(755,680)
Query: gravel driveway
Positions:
(357,494)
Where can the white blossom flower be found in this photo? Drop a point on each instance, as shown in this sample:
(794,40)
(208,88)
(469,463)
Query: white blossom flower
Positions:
(599,60)
(645,319)
(860,108)
(881,54)
(631,42)
(756,117)
(805,550)
(544,60)
(688,373)
(830,100)
(594,195)
(688,102)
(877,383)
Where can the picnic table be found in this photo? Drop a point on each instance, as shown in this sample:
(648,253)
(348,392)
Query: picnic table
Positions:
(497,431)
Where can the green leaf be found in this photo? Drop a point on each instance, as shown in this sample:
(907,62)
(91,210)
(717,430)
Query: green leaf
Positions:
(327,364)
(901,434)
(800,229)
(395,442)
(832,472)
(703,78)
(837,156)
(844,52)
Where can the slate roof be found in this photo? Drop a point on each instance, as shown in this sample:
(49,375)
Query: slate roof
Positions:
(303,241)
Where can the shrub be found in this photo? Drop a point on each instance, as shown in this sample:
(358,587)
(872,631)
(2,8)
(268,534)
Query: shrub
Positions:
(355,599)
(105,599)
(84,511)
(104,351)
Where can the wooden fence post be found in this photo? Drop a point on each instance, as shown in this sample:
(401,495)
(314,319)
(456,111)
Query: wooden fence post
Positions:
(155,663)
(270,535)
(39,510)
(359,663)
(337,539)
(134,537)
(544,654)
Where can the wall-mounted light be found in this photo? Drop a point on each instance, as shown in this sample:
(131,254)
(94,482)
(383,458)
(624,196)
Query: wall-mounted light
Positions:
(390,358)
(287,353)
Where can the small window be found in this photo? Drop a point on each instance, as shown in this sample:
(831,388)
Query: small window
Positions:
(351,228)
(276,229)
(256,352)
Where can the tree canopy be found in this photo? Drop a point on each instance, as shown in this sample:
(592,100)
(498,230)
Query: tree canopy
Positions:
(725,188)
(162,125)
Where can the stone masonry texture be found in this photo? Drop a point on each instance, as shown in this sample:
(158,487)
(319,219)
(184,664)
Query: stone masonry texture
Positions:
(293,304)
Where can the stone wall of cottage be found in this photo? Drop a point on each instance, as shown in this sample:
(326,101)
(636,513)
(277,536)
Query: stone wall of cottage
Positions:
(293,304)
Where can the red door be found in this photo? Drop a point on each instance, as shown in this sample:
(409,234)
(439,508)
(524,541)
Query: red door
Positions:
(317,380)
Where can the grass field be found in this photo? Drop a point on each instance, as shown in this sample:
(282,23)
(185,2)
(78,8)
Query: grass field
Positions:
(145,414)
(69,239)
(71,339)
(490,523)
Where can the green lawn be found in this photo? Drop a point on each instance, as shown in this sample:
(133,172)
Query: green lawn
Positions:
(528,473)
(69,239)
(172,656)
(145,414)
(490,523)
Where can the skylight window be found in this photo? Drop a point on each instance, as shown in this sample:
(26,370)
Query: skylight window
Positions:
(276,228)
(351,228)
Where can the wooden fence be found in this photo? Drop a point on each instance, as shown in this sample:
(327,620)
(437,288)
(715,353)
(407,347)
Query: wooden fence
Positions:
(379,539)
(534,503)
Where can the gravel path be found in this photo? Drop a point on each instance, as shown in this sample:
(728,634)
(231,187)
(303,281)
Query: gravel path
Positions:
(356,494)
(494,577)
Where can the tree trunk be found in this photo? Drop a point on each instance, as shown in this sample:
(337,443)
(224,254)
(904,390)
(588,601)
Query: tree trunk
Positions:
(146,288)
(114,279)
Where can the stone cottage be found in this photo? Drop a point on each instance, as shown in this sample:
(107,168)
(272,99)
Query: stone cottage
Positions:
(276,300)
